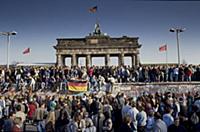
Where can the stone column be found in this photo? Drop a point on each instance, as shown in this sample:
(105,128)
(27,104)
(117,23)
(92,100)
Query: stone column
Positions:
(121,59)
(133,60)
(74,60)
(77,59)
(59,60)
(137,59)
(107,60)
(63,60)
(88,60)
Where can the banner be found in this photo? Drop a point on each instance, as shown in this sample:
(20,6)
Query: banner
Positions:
(77,85)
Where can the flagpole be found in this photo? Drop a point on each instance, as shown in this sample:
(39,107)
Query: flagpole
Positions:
(166,69)
(166,56)
(97,20)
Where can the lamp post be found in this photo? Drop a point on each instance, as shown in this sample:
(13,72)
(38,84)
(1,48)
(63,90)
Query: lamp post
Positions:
(177,31)
(8,34)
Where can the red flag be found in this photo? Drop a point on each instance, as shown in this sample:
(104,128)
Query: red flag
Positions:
(163,48)
(26,51)
(93,9)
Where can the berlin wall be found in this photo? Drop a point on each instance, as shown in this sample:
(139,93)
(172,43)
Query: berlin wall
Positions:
(136,89)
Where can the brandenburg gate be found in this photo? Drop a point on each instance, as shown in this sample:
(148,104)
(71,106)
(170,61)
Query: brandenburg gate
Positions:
(97,44)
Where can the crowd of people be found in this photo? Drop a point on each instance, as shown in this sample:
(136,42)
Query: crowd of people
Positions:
(54,77)
(22,100)
(94,112)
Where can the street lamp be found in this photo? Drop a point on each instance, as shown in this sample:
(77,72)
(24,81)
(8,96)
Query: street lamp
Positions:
(8,34)
(177,30)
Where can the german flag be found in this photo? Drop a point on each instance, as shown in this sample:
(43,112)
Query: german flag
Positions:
(77,85)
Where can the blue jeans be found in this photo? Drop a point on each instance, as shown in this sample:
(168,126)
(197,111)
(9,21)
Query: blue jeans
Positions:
(41,126)
(175,77)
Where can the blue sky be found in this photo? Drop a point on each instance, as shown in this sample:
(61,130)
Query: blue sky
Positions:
(40,22)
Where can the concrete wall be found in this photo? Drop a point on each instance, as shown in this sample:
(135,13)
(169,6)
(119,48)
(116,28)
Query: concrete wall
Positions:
(136,89)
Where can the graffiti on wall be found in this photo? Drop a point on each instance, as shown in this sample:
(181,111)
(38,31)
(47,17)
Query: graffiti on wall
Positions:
(138,89)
